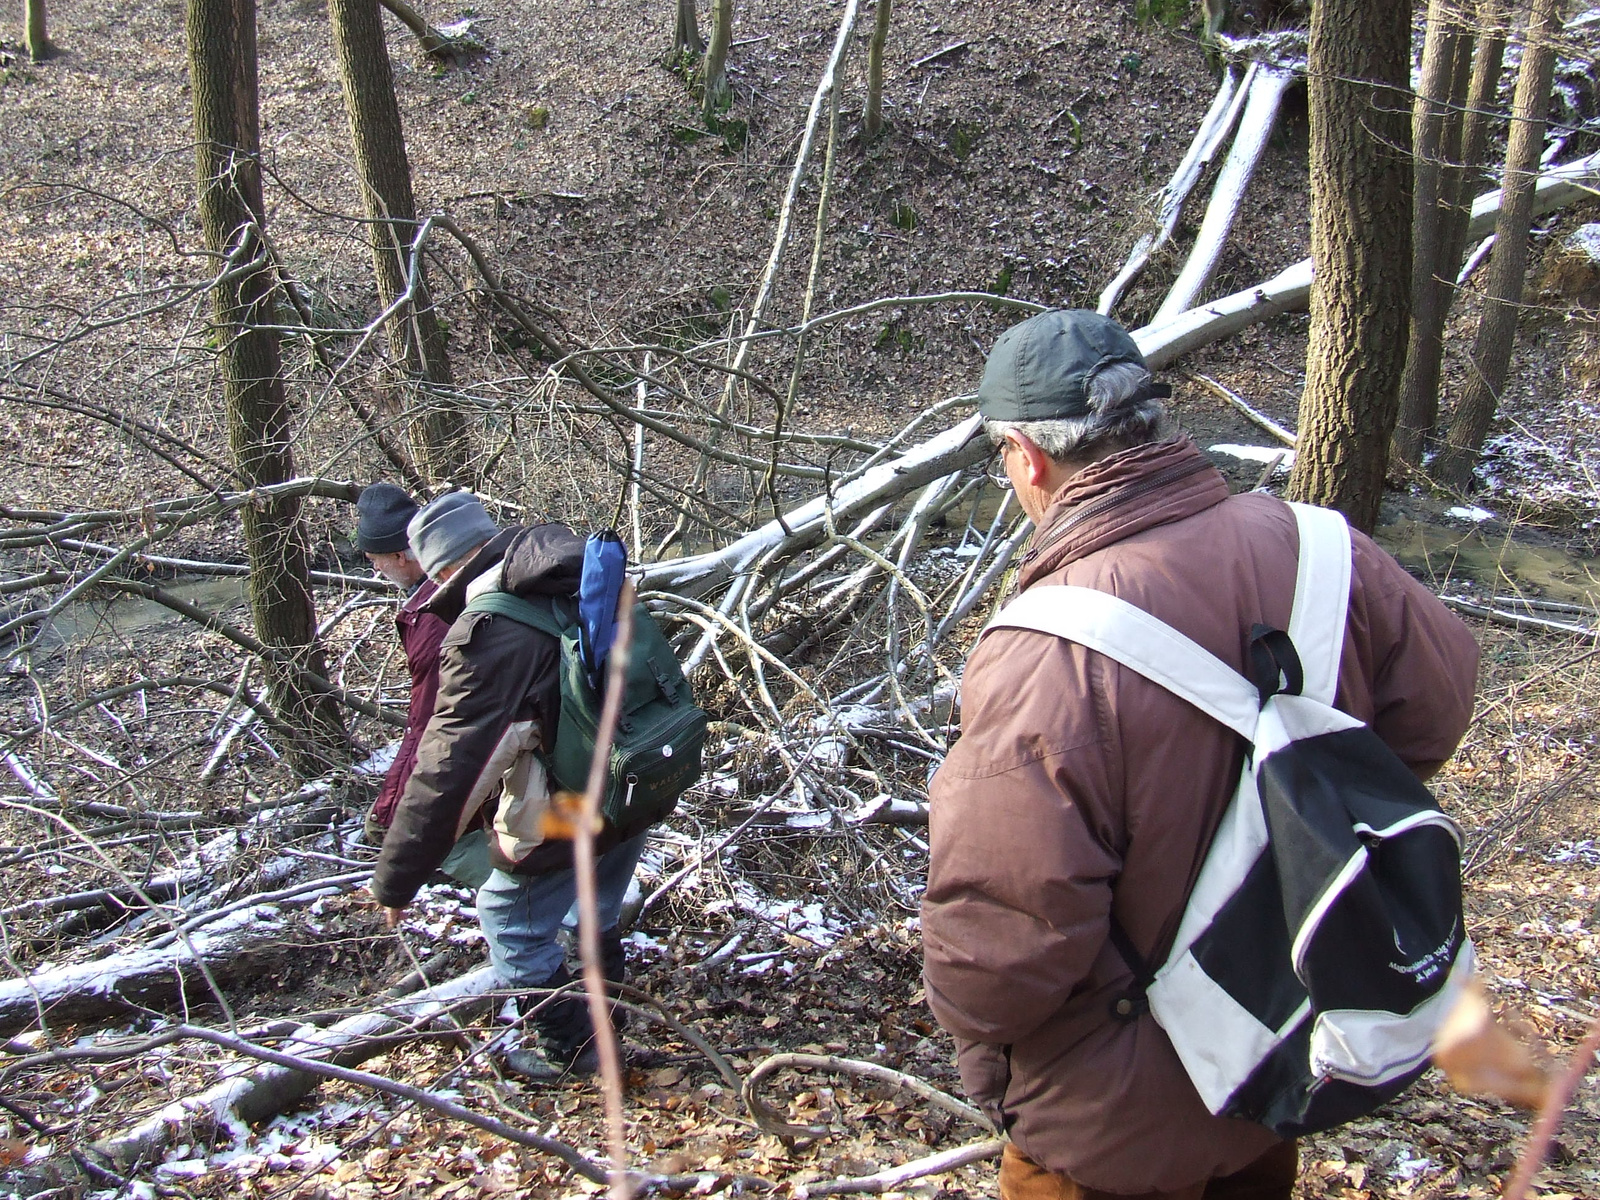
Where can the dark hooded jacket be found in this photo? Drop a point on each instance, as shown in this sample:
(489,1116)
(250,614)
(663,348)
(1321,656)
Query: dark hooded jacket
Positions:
(494,674)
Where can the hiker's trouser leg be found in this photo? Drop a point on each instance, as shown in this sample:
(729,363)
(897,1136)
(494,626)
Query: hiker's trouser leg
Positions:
(1270,1177)
(521,914)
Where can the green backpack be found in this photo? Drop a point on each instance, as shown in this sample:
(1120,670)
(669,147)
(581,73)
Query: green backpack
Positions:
(661,732)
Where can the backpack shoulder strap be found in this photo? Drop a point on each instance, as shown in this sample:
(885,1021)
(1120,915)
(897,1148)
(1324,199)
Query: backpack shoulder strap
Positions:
(541,616)
(1321,598)
(1126,633)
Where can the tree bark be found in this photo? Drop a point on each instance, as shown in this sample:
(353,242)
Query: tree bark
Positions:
(1458,189)
(715,71)
(222,68)
(33,26)
(1265,91)
(1497,327)
(686,39)
(438,428)
(1436,133)
(1491,31)
(872,118)
(1361,244)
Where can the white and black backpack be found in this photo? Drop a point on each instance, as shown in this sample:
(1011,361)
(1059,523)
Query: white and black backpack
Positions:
(1322,944)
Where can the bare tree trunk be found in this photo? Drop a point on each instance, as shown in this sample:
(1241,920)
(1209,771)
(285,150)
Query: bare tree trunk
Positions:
(1497,327)
(872,118)
(1361,244)
(439,430)
(1436,134)
(34,35)
(1493,17)
(715,71)
(1458,189)
(222,68)
(686,39)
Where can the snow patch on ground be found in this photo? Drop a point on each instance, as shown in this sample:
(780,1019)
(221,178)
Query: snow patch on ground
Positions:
(444,912)
(1469,512)
(1529,469)
(292,1142)
(806,922)
(1409,1167)
(379,761)
(1585,852)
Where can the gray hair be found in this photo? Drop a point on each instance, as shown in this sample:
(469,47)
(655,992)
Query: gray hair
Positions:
(1120,414)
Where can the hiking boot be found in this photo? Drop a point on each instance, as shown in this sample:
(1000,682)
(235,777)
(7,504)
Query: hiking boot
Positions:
(565,1038)
(533,1065)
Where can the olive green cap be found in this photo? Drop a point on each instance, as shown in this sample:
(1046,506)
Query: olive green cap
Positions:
(1039,369)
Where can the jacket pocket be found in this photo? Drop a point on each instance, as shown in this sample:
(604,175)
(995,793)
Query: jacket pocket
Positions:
(519,819)
(985,1076)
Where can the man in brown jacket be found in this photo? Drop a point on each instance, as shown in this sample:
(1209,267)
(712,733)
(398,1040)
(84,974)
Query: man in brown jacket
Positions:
(483,748)
(1079,789)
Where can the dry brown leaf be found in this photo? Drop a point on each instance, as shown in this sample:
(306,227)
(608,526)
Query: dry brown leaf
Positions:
(1480,1056)
(12,1151)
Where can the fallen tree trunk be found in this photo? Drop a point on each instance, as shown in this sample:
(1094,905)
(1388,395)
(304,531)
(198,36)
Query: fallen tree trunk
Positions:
(259,1093)
(1255,127)
(805,526)
(1290,289)
(139,978)
(1214,128)
(434,42)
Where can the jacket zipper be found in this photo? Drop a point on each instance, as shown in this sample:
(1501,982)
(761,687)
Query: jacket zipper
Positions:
(1078,517)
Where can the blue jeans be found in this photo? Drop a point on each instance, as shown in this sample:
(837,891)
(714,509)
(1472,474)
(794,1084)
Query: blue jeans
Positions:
(521,914)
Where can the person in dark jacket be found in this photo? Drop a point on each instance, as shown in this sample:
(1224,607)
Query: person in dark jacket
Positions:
(482,749)
(383,511)
(1079,788)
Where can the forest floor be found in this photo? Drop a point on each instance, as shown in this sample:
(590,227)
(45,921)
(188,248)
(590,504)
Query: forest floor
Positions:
(1020,160)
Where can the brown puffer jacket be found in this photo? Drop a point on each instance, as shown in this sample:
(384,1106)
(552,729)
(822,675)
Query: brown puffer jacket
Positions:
(495,676)
(1079,788)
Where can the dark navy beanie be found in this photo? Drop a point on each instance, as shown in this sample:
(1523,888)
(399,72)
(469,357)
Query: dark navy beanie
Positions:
(384,510)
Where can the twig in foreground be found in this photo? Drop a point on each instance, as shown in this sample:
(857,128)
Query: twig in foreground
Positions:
(769,1122)
(594,980)
(892,1178)
(579,1162)
(1556,1099)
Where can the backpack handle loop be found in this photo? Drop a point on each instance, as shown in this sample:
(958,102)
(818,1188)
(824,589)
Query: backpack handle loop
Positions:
(1274,663)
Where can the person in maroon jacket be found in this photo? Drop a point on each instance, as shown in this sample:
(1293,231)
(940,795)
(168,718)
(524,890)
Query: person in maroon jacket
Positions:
(383,511)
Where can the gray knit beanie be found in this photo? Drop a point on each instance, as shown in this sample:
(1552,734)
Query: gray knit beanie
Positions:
(447,528)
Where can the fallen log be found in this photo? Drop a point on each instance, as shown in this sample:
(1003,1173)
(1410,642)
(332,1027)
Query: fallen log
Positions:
(258,1093)
(137,979)
(1255,127)
(1290,289)
(128,896)
(1214,128)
